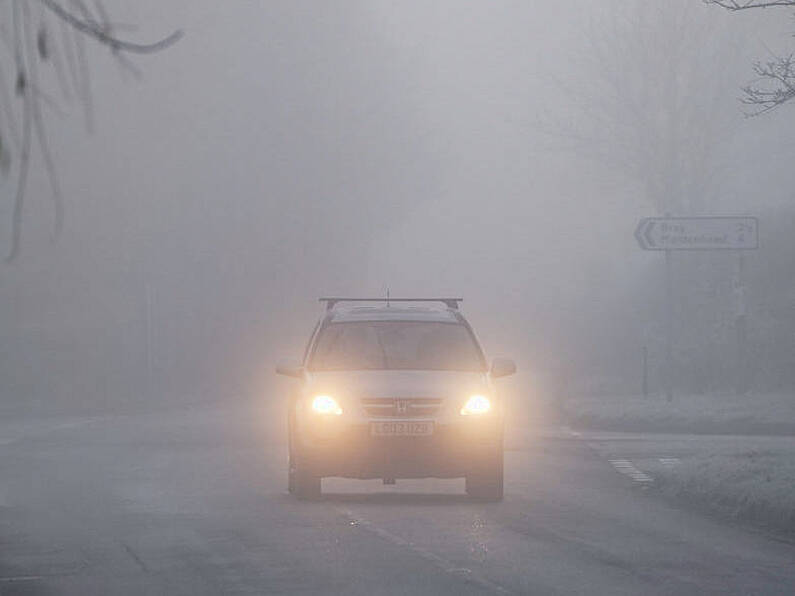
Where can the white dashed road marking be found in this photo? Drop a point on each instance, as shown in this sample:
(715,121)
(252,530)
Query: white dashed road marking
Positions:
(21,578)
(627,468)
(438,561)
(669,461)
(43,428)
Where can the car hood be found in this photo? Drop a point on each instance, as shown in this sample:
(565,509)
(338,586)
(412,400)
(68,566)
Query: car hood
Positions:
(397,383)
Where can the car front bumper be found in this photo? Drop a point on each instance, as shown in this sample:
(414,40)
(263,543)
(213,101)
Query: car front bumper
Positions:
(451,451)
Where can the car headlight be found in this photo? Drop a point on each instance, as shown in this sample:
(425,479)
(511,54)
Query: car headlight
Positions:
(477,404)
(325,404)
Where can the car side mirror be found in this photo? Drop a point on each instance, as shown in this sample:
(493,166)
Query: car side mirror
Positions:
(290,370)
(502,367)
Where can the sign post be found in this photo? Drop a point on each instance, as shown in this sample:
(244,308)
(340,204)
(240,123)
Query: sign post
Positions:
(700,233)
(740,324)
(669,327)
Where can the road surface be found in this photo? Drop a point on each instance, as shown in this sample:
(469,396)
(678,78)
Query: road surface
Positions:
(192,501)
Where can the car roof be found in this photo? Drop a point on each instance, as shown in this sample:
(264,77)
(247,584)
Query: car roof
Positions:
(402,313)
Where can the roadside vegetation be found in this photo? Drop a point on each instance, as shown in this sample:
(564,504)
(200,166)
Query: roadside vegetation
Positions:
(741,467)
(751,480)
(767,414)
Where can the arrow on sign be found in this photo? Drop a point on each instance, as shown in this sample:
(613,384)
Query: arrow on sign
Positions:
(643,234)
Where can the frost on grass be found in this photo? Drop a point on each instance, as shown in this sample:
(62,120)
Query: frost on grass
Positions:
(751,480)
(720,414)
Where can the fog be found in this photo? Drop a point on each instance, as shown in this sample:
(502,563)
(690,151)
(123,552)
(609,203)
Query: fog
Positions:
(286,150)
(628,426)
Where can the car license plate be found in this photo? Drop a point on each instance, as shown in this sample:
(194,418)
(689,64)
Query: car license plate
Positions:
(401,428)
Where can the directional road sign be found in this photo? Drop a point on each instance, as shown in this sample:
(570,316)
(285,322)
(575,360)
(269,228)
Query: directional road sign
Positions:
(698,233)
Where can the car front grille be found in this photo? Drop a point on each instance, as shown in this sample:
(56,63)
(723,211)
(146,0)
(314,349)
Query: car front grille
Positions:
(403,407)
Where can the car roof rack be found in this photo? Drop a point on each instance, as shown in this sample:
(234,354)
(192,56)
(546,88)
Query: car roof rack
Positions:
(449,302)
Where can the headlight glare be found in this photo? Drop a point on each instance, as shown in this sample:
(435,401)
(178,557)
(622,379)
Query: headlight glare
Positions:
(325,404)
(476,404)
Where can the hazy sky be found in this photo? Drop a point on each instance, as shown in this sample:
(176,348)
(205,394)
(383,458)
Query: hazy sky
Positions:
(284,150)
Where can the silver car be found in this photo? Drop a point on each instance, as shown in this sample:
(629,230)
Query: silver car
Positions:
(395,391)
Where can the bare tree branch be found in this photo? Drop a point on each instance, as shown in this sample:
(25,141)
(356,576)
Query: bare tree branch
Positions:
(776,77)
(782,76)
(59,68)
(30,44)
(99,33)
(733,5)
(69,57)
(24,160)
(38,126)
(84,80)
(643,63)
(5,100)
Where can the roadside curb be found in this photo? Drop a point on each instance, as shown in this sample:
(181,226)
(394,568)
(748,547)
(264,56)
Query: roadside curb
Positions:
(683,427)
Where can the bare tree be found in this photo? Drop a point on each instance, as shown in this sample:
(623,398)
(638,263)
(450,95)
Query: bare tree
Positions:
(632,92)
(51,34)
(650,93)
(776,77)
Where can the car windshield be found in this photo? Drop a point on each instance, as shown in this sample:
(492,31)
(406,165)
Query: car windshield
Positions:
(396,345)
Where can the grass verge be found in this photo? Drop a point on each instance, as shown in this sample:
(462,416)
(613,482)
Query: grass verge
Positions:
(744,482)
(772,414)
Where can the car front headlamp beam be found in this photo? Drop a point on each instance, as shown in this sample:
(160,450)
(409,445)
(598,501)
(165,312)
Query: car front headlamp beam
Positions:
(476,405)
(326,405)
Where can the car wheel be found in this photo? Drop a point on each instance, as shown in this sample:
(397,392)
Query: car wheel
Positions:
(306,485)
(301,480)
(290,456)
(486,482)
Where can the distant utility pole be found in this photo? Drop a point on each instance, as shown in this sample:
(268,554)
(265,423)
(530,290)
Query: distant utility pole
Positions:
(669,327)
(700,233)
(741,385)
(149,340)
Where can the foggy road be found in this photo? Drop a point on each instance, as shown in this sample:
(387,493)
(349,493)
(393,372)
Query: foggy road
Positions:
(591,187)
(193,501)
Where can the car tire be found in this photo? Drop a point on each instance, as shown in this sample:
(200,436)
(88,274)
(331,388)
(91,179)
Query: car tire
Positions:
(485,483)
(290,456)
(301,481)
(306,485)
